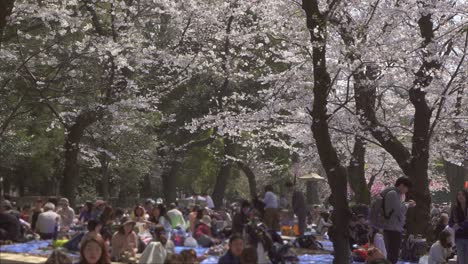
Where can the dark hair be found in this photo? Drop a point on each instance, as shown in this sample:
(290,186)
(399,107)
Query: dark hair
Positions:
(162,210)
(89,206)
(107,214)
(200,213)
(405,181)
(268,188)
(325,216)
(443,237)
(118,212)
(465,193)
(289,184)
(235,237)
(121,228)
(137,208)
(104,259)
(92,224)
(245,204)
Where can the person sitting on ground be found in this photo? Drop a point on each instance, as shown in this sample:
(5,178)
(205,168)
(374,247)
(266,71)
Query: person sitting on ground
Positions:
(192,217)
(442,223)
(107,221)
(124,240)
(159,216)
(47,222)
(10,226)
(176,218)
(203,233)
(67,214)
(441,250)
(236,247)
(99,207)
(323,223)
(377,241)
(86,213)
(241,218)
(159,235)
(37,210)
(26,213)
(94,251)
(375,256)
(94,230)
(139,214)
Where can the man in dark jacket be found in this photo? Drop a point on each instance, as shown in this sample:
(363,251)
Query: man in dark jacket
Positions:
(236,247)
(299,207)
(10,226)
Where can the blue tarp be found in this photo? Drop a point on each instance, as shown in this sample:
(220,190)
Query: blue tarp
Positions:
(35,247)
(199,250)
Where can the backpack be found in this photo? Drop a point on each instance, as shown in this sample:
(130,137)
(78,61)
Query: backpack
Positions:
(377,214)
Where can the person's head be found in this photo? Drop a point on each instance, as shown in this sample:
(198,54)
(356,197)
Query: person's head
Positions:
(126,227)
(119,212)
(100,205)
(162,209)
(289,185)
(403,184)
(5,206)
(158,231)
(206,219)
(49,207)
(94,225)
(445,239)
(188,256)
(325,216)
(93,251)
(249,256)
(63,202)
(245,207)
(444,219)
(154,214)
(172,206)
(462,198)
(236,245)
(268,188)
(38,204)
(139,211)
(89,206)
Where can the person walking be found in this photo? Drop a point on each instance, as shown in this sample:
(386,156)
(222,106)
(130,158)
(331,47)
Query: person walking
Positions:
(299,207)
(271,217)
(459,222)
(394,209)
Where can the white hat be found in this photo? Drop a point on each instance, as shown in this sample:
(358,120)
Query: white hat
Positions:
(154,253)
(206,220)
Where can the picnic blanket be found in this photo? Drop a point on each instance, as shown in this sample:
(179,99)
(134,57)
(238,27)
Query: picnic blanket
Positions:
(41,248)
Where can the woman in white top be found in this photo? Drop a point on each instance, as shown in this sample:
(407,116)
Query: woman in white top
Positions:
(377,240)
(442,249)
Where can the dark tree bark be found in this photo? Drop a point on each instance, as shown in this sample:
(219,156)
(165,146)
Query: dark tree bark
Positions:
(250,177)
(5,10)
(356,173)
(169,181)
(75,132)
(336,173)
(414,163)
(104,160)
(224,173)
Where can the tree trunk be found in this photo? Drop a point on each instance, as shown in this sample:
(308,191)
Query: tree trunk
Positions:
(71,176)
(104,176)
(169,181)
(336,173)
(5,10)
(250,177)
(356,173)
(224,173)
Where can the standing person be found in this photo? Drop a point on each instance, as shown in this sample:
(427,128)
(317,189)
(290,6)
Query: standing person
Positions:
(209,201)
(394,210)
(241,218)
(236,247)
(299,207)
(10,226)
(67,214)
(35,213)
(47,222)
(459,222)
(271,217)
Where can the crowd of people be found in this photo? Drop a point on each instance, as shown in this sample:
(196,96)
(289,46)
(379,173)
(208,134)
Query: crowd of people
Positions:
(153,230)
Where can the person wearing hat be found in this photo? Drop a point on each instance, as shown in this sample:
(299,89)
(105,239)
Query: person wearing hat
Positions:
(10,226)
(47,222)
(124,240)
(203,233)
(66,213)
